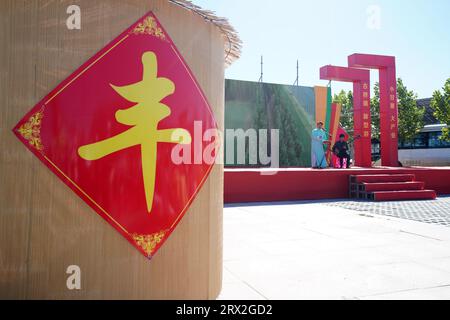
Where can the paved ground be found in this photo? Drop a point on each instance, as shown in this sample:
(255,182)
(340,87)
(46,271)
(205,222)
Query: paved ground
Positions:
(326,251)
(437,212)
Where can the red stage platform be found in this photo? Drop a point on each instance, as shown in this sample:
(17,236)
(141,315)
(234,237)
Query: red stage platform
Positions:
(288,184)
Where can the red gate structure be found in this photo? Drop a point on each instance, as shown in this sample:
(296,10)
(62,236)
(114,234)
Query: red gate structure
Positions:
(388,102)
(361,108)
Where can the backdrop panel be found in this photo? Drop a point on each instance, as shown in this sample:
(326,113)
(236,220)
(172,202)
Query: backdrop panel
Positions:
(291,109)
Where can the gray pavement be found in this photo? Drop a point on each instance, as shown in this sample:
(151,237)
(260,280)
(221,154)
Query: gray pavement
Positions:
(324,250)
(429,211)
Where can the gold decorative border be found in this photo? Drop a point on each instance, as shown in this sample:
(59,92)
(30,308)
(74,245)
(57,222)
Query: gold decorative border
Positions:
(149,26)
(148,242)
(31,130)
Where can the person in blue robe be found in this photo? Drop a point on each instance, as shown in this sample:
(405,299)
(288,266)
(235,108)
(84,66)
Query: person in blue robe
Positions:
(318,137)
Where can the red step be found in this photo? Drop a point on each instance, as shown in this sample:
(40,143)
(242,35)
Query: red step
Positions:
(392,186)
(403,195)
(374,178)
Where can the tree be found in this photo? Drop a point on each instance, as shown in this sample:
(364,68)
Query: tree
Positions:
(440,103)
(345,99)
(410,116)
(375,112)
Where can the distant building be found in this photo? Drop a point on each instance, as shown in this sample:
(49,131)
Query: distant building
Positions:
(428,116)
(426,149)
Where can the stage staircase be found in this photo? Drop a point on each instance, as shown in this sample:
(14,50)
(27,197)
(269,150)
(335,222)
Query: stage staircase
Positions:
(389,187)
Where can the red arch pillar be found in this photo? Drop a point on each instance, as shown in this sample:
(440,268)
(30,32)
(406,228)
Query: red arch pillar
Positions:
(361,108)
(388,102)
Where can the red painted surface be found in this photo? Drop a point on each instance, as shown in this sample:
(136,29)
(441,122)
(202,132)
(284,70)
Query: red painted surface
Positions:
(394,186)
(388,187)
(404,195)
(249,185)
(87,108)
(373,178)
(388,102)
(361,108)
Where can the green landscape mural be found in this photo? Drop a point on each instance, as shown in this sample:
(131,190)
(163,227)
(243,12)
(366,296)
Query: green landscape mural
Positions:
(290,109)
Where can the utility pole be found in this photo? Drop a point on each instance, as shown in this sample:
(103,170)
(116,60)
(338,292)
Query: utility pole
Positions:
(296,79)
(261,76)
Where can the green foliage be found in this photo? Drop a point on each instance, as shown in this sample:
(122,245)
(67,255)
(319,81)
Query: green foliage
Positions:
(285,114)
(410,116)
(375,112)
(345,99)
(440,103)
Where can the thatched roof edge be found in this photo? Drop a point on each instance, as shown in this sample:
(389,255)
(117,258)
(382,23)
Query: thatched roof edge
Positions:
(233,43)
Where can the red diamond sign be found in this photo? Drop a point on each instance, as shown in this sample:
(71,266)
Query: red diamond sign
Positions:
(126,133)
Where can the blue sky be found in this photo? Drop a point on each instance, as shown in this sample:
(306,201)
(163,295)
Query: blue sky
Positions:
(327,31)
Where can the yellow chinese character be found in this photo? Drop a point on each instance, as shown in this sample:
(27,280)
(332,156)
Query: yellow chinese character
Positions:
(365,94)
(366,125)
(143,118)
(366,134)
(365,86)
(365,116)
(365,103)
(392,97)
(392,105)
(393,135)
(392,89)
